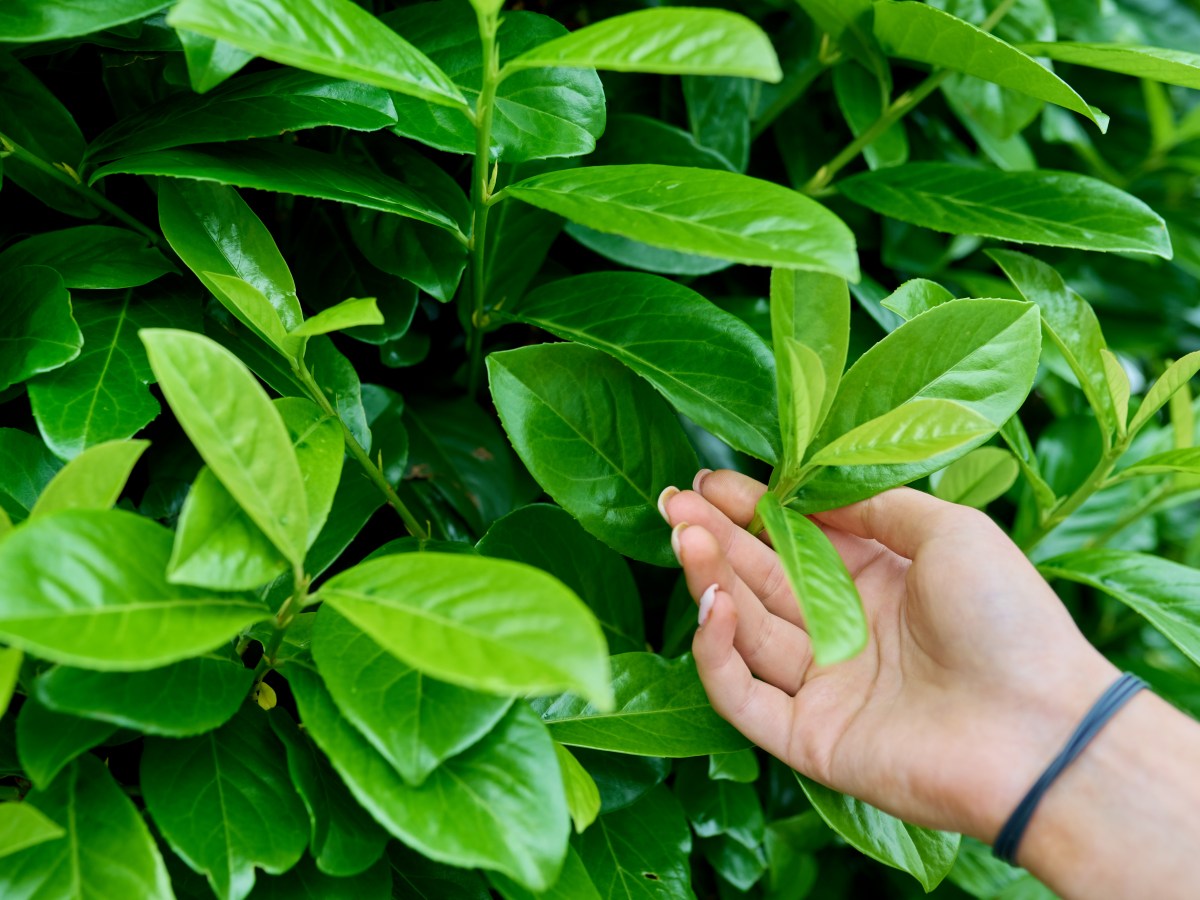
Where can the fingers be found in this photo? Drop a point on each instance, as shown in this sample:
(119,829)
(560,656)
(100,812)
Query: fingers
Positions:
(731,492)
(902,519)
(758,710)
(774,649)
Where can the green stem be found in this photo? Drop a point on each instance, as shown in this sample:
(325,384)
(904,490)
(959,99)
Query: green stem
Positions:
(1065,507)
(283,620)
(91,195)
(373,472)
(481,188)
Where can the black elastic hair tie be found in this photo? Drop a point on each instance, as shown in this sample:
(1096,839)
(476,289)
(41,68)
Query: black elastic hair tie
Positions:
(1118,694)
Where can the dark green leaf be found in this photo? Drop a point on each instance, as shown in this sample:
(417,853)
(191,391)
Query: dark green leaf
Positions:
(622,778)
(661,710)
(40,333)
(26,467)
(423,879)
(737,864)
(849,25)
(1155,63)
(719,115)
(92,480)
(719,807)
(91,256)
(573,884)
(307,880)
(861,102)
(740,766)
(600,441)
(47,741)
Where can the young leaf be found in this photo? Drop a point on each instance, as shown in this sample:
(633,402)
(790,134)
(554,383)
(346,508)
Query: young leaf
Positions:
(829,601)
(92,256)
(112,609)
(40,332)
(1118,389)
(801,384)
(858,97)
(332,37)
(583,797)
(911,432)
(225,802)
(10,668)
(1058,209)
(505,791)
(977,479)
(237,430)
(209,61)
(1154,63)
(107,850)
(347,314)
(598,439)
(92,480)
(1178,374)
(487,624)
(666,41)
(22,826)
(849,26)
(924,33)
(47,741)
(661,710)
(915,297)
(253,308)
(925,854)
(26,467)
(708,363)
(1186,460)
(673,207)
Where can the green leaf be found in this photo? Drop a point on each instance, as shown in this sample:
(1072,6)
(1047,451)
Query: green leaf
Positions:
(319,445)
(923,33)
(189,697)
(209,61)
(92,480)
(623,779)
(684,42)
(26,467)
(40,333)
(911,432)
(347,314)
(709,364)
(661,709)
(10,668)
(92,256)
(549,538)
(598,439)
(1118,389)
(701,211)
(107,850)
(413,721)
(216,400)
(1178,374)
(719,111)
(22,826)
(43,20)
(344,839)
(740,766)
(861,102)
(828,599)
(915,297)
(719,807)
(583,797)
(736,864)
(641,851)
(505,792)
(487,624)
(849,25)
(977,479)
(331,37)
(1162,592)
(926,855)
(225,802)
(1155,63)
(1185,460)
(102,394)
(285,169)
(112,609)
(306,879)
(47,741)
(981,354)
(264,104)
(573,883)
(801,385)
(253,308)
(1058,209)
(423,879)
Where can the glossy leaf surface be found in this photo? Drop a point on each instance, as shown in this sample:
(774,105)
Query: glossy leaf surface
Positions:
(911,432)
(27,21)
(91,256)
(26,467)
(1156,63)
(40,333)
(92,480)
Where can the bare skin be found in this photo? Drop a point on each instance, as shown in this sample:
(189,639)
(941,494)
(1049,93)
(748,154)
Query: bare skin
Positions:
(973,678)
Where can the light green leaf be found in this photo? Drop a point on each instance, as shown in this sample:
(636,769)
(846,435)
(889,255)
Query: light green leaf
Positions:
(1058,209)
(661,709)
(107,850)
(225,802)
(1186,460)
(702,211)
(112,609)
(1178,374)
(801,386)
(977,479)
(332,37)
(10,668)
(237,430)
(252,307)
(23,825)
(209,61)
(1164,593)
(1118,389)
(709,364)
(926,855)
(5,523)
(509,813)
(911,432)
(415,722)
(91,256)
(47,741)
(26,467)
(583,797)
(347,314)
(92,480)
(29,21)
(924,33)
(39,332)
(1155,63)
(667,41)
(916,296)
(487,624)
(828,599)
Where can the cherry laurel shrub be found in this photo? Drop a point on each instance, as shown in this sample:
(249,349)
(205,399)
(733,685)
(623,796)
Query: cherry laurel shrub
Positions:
(347,347)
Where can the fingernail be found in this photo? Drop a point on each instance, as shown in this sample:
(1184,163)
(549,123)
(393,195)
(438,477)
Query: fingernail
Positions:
(667,493)
(699,479)
(706,603)
(675,533)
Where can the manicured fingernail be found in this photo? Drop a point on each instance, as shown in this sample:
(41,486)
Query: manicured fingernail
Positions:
(667,493)
(699,479)
(706,603)
(675,533)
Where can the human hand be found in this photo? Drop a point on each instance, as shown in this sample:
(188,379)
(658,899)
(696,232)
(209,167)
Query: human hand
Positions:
(973,676)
